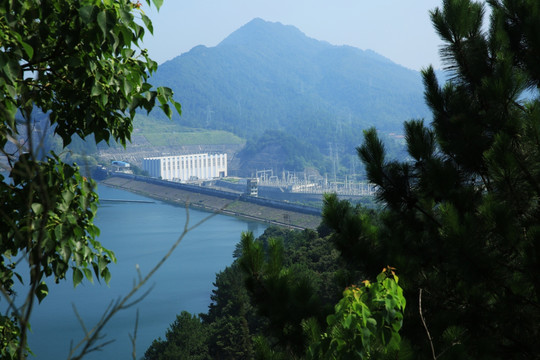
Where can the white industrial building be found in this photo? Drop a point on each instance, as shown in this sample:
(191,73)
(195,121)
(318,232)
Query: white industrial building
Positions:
(187,167)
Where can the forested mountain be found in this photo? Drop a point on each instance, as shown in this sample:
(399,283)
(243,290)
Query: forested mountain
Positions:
(271,76)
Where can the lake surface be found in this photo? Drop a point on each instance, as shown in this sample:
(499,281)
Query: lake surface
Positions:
(139,234)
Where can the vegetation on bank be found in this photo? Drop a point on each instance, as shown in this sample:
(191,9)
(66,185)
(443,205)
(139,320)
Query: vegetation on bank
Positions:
(274,300)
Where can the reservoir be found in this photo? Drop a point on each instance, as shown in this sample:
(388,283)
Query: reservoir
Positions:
(140,233)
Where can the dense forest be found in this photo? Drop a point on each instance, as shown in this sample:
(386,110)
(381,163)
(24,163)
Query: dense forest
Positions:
(448,267)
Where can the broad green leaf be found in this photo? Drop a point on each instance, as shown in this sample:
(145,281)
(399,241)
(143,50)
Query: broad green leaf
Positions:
(347,322)
(86,13)
(78,258)
(58,231)
(28,49)
(88,274)
(79,233)
(11,69)
(126,16)
(77,276)
(111,255)
(126,86)
(106,276)
(65,252)
(102,264)
(102,21)
(158,3)
(37,208)
(147,23)
(161,98)
(93,231)
(166,110)
(177,106)
(42,291)
(71,219)
(68,196)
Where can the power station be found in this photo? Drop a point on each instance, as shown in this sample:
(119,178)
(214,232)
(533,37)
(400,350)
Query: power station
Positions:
(187,167)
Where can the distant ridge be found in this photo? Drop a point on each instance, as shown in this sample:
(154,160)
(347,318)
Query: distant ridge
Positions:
(270,76)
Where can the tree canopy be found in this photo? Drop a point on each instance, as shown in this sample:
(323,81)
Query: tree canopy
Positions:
(74,66)
(461,219)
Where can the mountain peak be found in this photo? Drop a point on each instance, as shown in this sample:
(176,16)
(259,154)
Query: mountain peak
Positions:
(259,32)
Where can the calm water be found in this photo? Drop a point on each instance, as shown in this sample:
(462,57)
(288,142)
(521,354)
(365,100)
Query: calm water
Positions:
(139,234)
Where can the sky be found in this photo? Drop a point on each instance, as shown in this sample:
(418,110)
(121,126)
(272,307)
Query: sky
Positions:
(400,30)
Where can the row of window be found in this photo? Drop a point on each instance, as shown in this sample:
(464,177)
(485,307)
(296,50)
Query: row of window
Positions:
(190,164)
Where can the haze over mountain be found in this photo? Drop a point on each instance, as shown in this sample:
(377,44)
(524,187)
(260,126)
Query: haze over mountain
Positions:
(268,76)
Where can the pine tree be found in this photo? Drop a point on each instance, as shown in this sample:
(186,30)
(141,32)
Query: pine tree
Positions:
(462,219)
(186,338)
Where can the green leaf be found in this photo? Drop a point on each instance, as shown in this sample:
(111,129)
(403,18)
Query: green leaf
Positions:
(68,196)
(126,86)
(106,276)
(158,3)
(42,291)
(19,277)
(65,251)
(77,276)
(96,270)
(166,110)
(102,21)
(58,233)
(102,264)
(37,208)
(11,69)
(86,13)
(177,106)
(148,23)
(161,98)
(348,321)
(88,274)
(28,49)
(126,16)
(96,90)
(104,99)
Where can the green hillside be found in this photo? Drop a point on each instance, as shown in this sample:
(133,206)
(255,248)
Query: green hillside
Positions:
(297,101)
(267,76)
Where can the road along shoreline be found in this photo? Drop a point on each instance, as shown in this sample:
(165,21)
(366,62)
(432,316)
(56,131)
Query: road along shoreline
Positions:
(233,204)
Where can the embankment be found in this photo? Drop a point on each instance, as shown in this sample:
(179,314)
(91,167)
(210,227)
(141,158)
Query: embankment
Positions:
(228,203)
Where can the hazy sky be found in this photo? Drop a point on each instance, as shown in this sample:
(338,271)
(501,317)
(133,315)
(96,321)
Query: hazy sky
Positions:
(397,29)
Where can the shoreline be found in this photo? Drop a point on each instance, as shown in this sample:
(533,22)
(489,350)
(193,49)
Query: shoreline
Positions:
(236,208)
